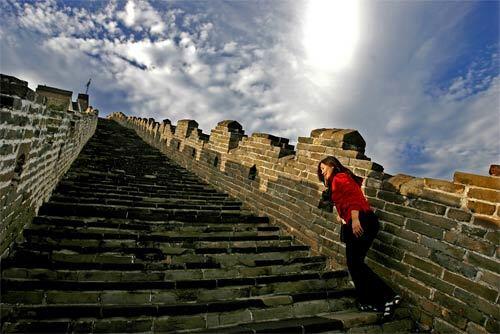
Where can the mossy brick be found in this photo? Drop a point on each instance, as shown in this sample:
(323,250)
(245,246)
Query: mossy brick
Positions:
(459,215)
(388,250)
(235,317)
(272,313)
(493,237)
(310,308)
(460,308)
(411,247)
(125,297)
(491,279)
(471,286)
(476,245)
(457,266)
(432,281)
(390,196)
(413,285)
(428,206)
(484,262)
(390,217)
(492,325)
(473,328)
(398,326)
(477,303)
(22,297)
(442,247)
(122,325)
(403,211)
(482,208)
(423,265)
(490,182)
(425,229)
(492,223)
(65,297)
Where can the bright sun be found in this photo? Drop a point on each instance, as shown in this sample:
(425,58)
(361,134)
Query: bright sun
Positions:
(331,32)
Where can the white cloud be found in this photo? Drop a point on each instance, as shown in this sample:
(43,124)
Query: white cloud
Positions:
(245,62)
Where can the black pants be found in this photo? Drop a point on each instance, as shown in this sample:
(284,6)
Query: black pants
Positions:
(370,289)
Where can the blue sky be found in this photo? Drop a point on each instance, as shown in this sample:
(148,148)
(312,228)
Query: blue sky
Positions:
(419,80)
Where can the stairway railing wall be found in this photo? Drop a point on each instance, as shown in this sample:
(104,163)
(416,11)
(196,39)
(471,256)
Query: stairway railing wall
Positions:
(37,146)
(439,240)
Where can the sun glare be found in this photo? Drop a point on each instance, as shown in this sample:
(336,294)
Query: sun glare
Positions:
(331,32)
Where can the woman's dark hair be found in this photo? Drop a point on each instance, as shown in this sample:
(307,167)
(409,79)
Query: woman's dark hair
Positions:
(337,168)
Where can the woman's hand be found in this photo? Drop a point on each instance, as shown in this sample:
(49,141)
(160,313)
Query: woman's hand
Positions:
(357,230)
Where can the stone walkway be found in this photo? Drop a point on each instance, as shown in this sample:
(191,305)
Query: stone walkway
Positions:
(130,242)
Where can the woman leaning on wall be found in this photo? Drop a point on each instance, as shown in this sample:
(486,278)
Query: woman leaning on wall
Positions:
(360,227)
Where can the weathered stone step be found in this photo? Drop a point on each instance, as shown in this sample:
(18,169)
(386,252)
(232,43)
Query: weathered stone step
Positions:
(150,226)
(99,233)
(196,198)
(352,322)
(204,258)
(264,268)
(306,304)
(153,251)
(345,321)
(303,286)
(109,198)
(172,205)
(138,191)
(124,212)
(129,184)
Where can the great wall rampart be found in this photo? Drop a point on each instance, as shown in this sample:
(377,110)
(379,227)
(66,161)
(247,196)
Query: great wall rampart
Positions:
(439,241)
(41,134)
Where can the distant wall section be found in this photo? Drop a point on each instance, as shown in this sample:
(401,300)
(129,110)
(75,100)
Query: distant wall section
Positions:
(37,146)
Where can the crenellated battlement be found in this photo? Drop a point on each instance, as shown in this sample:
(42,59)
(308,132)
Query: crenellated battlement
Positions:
(439,239)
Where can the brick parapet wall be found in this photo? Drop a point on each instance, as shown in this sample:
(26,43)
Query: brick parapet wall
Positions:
(37,146)
(439,240)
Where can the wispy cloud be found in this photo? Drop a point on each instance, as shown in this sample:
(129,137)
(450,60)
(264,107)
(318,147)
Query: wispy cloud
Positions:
(247,61)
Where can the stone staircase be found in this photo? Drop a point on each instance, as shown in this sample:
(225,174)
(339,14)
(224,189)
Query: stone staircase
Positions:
(130,242)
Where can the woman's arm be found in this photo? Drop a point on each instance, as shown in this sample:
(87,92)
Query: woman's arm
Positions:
(357,230)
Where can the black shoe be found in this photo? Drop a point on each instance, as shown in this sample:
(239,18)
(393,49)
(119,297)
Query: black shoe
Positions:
(390,306)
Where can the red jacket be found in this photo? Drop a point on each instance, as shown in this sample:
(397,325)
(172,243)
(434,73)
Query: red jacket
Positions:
(347,196)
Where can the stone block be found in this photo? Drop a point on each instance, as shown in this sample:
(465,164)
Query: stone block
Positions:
(482,208)
(487,195)
(459,215)
(428,206)
(425,229)
(424,265)
(236,317)
(492,223)
(471,286)
(490,182)
(445,186)
(432,281)
(454,265)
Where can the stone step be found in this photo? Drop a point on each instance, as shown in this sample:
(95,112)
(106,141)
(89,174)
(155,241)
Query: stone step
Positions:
(206,194)
(148,187)
(124,212)
(88,192)
(351,321)
(301,303)
(100,233)
(168,205)
(261,268)
(153,226)
(176,259)
(346,321)
(302,286)
(107,198)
